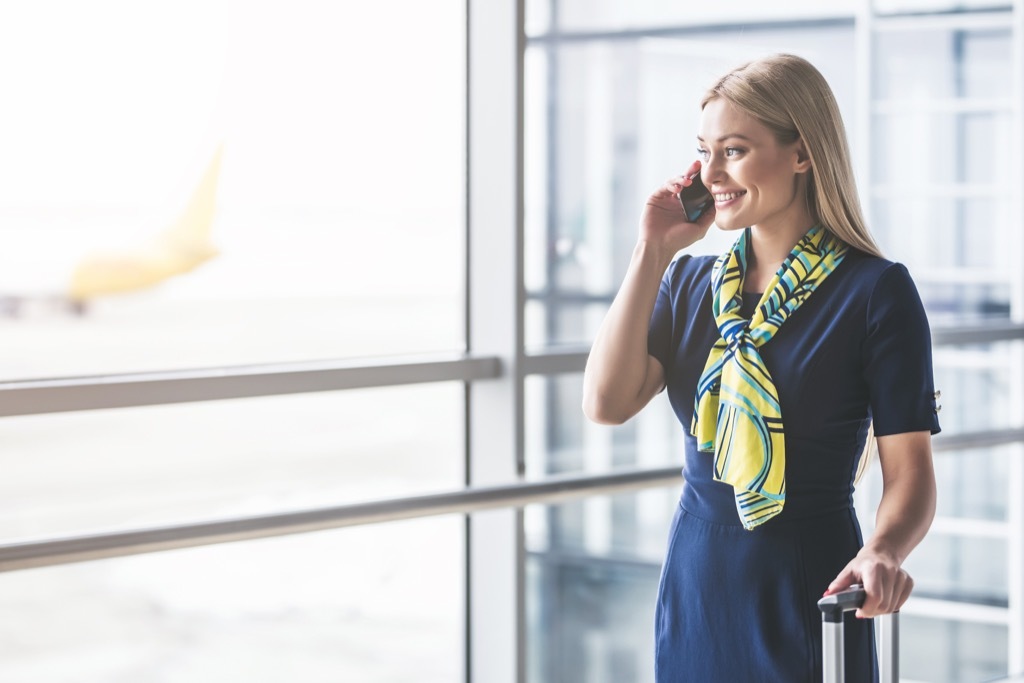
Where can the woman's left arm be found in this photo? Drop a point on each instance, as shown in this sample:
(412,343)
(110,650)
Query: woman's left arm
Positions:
(904,515)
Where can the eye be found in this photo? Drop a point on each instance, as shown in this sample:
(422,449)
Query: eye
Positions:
(702,153)
(733,151)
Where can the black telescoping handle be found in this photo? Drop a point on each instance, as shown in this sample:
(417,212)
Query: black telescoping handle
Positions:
(833,659)
(834,606)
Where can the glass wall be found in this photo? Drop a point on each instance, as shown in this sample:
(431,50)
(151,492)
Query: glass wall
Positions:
(942,164)
(591,586)
(294,187)
(128,468)
(611,111)
(380,604)
(593,564)
(952,650)
(223,183)
(219,183)
(608,119)
(942,167)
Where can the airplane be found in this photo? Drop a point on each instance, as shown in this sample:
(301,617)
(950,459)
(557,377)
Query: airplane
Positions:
(179,249)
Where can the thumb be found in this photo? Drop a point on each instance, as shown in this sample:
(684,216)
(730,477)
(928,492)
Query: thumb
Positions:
(845,579)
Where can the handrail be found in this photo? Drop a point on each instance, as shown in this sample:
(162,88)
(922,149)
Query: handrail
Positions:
(137,389)
(994,331)
(44,553)
(58,395)
(982,439)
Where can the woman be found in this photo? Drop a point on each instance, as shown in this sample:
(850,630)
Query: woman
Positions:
(779,357)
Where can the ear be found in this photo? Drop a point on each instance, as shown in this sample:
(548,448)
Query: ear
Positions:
(801,159)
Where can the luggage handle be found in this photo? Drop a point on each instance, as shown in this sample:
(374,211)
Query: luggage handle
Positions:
(833,607)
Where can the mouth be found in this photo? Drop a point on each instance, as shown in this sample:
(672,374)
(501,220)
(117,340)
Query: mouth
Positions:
(723,198)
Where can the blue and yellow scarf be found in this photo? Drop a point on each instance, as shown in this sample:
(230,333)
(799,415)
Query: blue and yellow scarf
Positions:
(737,414)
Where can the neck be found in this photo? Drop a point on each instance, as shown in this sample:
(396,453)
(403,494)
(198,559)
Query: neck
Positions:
(769,248)
(772,240)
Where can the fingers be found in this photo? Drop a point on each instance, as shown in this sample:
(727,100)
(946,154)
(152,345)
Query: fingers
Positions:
(886,591)
(671,189)
(685,179)
(676,184)
(887,588)
(846,578)
(878,591)
(906,589)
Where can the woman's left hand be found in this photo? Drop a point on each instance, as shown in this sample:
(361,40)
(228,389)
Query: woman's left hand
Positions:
(886,584)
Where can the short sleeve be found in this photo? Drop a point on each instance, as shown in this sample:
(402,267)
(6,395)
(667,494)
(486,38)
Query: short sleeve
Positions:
(898,357)
(659,332)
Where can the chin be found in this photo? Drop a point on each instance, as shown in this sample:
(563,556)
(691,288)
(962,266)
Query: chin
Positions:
(727,225)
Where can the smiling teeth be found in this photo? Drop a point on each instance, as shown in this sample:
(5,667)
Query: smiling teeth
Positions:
(727,197)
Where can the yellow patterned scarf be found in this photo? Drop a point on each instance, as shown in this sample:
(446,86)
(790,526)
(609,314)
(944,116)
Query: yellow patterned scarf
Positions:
(737,414)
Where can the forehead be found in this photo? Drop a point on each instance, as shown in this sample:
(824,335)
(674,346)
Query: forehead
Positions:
(720,118)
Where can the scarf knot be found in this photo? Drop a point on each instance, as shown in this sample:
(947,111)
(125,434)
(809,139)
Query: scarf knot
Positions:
(736,410)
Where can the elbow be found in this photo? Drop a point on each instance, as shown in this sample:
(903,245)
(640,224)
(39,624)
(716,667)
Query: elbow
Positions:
(598,409)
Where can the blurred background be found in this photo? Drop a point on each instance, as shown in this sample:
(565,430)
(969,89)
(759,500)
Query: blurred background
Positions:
(216,184)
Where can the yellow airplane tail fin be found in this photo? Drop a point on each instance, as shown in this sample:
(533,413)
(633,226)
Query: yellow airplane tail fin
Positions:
(192,231)
(182,247)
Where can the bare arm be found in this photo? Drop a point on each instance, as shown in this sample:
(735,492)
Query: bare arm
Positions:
(904,515)
(621,377)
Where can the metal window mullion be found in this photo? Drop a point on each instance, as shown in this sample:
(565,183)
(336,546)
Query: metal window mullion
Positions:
(983,20)
(1015,513)
(495,310)
(955,611)
(949,105)
(560,36)
(864,55)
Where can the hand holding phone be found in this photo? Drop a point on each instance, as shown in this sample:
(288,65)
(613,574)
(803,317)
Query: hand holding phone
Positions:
(664,226)
(695,198)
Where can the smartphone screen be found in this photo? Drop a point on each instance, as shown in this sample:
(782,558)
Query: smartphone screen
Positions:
(695,199)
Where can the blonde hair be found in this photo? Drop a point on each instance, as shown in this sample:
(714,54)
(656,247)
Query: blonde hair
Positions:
(791,98)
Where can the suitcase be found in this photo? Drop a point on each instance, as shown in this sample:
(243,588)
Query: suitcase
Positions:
(833,607)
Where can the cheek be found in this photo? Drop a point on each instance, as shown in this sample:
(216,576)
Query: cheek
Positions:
(770,189)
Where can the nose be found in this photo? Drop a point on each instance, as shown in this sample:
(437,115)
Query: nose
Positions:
(712,170)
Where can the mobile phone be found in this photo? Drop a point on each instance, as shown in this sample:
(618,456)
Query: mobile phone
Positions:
(695,198)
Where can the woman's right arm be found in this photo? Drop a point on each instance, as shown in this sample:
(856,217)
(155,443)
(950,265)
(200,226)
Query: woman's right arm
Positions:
(621,377)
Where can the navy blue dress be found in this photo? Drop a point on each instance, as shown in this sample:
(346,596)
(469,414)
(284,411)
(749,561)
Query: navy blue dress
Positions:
(738,605)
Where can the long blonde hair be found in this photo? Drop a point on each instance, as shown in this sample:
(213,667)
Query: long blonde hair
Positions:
(789,95)
(791,98)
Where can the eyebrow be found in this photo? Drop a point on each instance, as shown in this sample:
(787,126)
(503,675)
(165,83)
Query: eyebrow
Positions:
(726,137)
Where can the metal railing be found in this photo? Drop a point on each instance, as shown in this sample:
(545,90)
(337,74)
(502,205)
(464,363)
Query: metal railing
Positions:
(55,395)
(44,553)
(117,544)
(59,395)
(119,391)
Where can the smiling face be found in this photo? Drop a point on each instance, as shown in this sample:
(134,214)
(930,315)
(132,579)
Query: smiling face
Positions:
(755,180)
